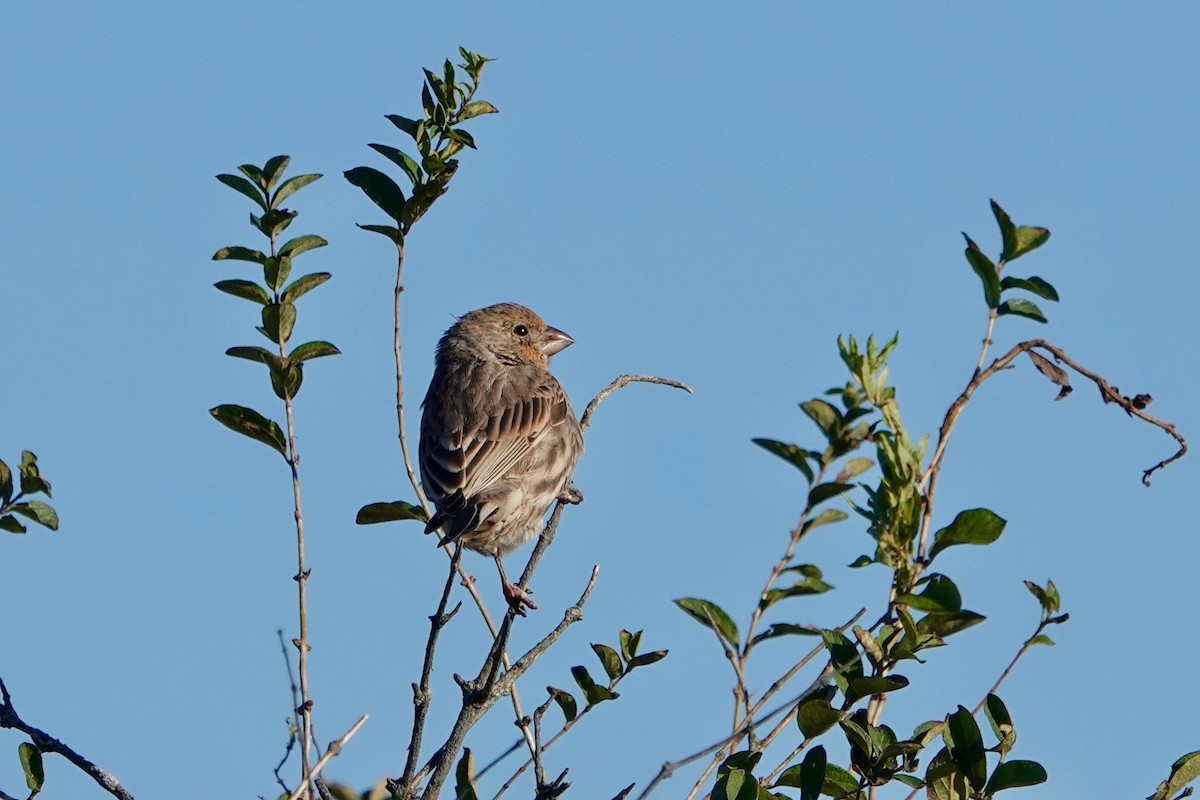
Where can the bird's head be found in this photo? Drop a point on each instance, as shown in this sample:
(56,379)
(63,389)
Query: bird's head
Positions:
(509,332)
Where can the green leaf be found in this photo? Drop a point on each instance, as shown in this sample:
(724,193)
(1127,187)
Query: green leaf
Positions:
(825,415)
(974,526)
(462,137)
(825,491)
(276,270)
(1012,774)
(1028,238)
(380,188)
(1032,284)
(39,512)
(803,588)
(565,701)
(965,744)
(1021,308)
(311,350)
(249,422)
(245,187)
(259,354)
(32,481)
(239,254)
(464,777)
(477,108)
(401,159)
(839,783)
(785,629)
(790,453)
(6,483)
(986,270)
(389,231)
(910,780)
(304,285)
(592,691)
(826,517)
(9,523)
(1008,231)
(1185,770)
(31,763)
(291,186)
(812,773)
(629,643)
(853,468)
(815,716)
(286,378)
(253,173)
(247,290)
(940,594)
(943,625)
(609,660)
(710,615)
(273,170)
(944,780)
(409,126)
(736,784)
(1002,724)
(844,655)
(858,688)
(278,320)
(389,512)
(301,244)
(647,658)
(1042,638)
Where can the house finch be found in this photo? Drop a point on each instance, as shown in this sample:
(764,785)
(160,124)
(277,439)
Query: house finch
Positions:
(499,440)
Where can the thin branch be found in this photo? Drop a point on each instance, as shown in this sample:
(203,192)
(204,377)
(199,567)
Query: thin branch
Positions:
(295,720)
(620,382)
(48,744)
(334,749)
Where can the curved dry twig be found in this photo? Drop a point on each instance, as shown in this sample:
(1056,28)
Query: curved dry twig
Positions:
(48,744)
(334,749)
(620,382)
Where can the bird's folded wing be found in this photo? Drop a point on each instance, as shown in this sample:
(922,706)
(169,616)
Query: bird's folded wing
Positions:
(473,459)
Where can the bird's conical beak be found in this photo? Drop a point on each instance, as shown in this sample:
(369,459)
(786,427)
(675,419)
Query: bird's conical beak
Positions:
(555,341)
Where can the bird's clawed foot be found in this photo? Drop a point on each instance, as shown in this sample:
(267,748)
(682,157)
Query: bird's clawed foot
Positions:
(571,495)
(518,598)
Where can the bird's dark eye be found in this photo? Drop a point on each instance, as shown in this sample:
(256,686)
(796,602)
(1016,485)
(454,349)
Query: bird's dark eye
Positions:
(521,330)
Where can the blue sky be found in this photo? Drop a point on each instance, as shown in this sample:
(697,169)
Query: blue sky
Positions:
(706,192)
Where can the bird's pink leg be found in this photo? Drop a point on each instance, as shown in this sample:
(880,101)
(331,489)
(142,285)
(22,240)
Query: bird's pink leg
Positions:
(518,598)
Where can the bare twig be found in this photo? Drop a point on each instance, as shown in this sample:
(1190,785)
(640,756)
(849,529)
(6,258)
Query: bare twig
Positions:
(334,749)
(295,720)
(620,382)
(48,744)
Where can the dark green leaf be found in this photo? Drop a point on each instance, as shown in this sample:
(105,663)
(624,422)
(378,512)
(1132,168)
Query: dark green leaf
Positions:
(812,773)
(806,587)
(790,453)
(824,491)
(301,244)
(839,783)
(273,170)
(786,629)
(401,159)
(858,688)
(32,481)
(278,320)
(974,526)
(647,658)
(6,483)
(592,691)
(1012,774)
(405,124)
(1002,725)
(565,701)
(943,625)
(910,780)
(10,523)
(39,512)
(629,643)
(462,137)
(844,654)
(986,270)
(1008,231)
(389,231)
(711,616)
(286,378)
(389,512)
(380,188)
(311,350)
(253,173)
(944,781)
(736,784)
(826,517)
(609,660)
(245,187)
(276,270)
(940,594)
(965,744)
(1021,308)
(1033,284)
(303,285)
(1185,770)
(862,561)
(239,254)
(248,290)
(259,354)
(815,716)
(464,777)
(477,108)
(291,186)
(31,763)
(249,422)
(745,760)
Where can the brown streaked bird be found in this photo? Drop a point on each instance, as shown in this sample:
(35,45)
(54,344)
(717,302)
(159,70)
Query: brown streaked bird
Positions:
(499,440)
